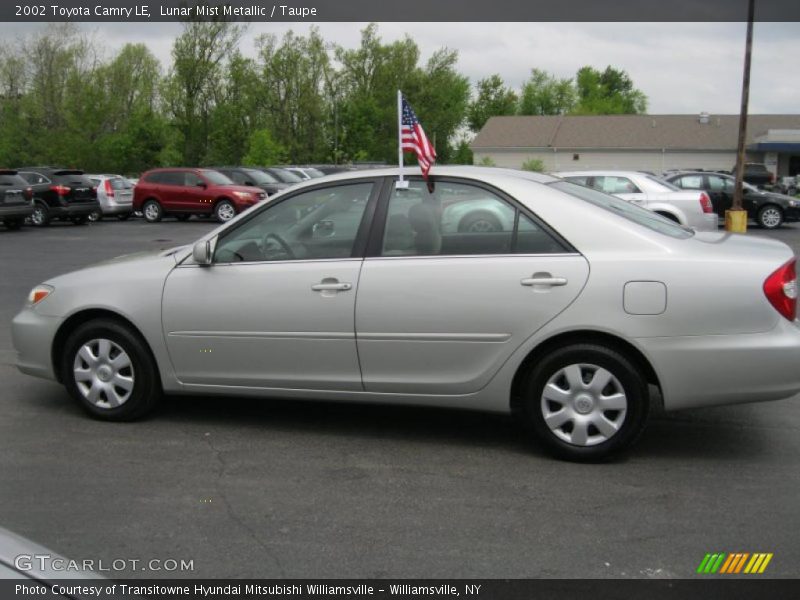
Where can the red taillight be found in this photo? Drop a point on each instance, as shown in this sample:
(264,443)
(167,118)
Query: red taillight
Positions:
(705,203)
(108,188)
(29,193)
(61,190)
(780,288)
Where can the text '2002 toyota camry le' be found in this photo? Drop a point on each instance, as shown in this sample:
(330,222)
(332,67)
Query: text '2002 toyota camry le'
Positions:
(485,289)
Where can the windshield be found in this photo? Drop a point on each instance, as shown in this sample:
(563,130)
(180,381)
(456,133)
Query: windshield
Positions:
(286,176)
(216,177)
(625,209)
(259,176)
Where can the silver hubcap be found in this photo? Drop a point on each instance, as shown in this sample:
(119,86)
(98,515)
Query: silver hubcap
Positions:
(103,373)
(38,216)
(225,212)
(584,404)
(151,212)
(771,217)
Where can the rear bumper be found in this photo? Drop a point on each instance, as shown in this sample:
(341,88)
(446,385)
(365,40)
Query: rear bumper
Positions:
(712,370)
(12,211)
(116,208)
(73,210)
(708,222)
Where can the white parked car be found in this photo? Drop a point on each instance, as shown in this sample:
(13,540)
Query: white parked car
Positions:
(689,208)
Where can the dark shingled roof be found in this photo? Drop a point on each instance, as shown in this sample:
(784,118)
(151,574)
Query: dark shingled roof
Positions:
(645,132)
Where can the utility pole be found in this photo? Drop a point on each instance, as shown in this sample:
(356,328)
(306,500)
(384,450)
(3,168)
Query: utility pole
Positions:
(736,217)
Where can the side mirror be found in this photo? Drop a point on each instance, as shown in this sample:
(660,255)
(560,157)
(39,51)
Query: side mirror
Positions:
(202,252)
(202,184)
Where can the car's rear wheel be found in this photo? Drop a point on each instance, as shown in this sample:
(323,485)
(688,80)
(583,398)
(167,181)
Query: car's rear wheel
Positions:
(224,211)
(586,402)
(770,217)
(109,370)
(40,216)
(152,211)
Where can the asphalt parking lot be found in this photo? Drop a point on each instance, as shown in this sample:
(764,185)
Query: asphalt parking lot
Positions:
(262,489)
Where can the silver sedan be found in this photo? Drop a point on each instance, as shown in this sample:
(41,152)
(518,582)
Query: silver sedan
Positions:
(565,313)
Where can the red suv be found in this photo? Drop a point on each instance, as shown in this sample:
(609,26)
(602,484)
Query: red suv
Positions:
(187,192)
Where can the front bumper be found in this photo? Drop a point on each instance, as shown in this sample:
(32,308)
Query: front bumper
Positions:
(32,336)
(792,213)
(712,370)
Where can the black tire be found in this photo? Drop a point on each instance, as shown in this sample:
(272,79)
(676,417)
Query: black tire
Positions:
(146,385)
(591,359)
(769,217)
(224,211)
(124,216)
(183,217)
(41,215)
(82,220)
(479,222)
(13,224)
(152,211)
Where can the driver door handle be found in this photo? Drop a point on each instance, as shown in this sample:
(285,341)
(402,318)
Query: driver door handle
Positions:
(332,287)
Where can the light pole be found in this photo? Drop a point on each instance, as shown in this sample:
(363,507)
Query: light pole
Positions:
(736,217)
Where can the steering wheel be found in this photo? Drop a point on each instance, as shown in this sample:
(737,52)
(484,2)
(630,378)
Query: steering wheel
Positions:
(282,243)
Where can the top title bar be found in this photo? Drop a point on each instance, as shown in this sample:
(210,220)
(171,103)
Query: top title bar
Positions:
(407,10)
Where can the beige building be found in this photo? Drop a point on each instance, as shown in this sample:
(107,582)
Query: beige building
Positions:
(640,142)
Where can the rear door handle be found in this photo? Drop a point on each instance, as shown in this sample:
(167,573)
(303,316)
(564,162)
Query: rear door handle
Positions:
(551,281)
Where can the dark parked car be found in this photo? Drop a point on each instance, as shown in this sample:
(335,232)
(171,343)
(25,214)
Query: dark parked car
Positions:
(768,209)
(254,177)
(66,194)
(184,192)
(283,175)
(757,174)
(15,199)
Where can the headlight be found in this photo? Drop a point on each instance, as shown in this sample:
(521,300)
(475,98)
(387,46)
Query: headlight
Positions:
(39,293)
(244,195)
(793,203)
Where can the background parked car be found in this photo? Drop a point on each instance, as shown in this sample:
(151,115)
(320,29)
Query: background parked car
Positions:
(15,199)
(184,192)
(115,195)
(254,177)
(283,175)
(305,172)
(691,209)
(65,194)
(768,209)
(757,174)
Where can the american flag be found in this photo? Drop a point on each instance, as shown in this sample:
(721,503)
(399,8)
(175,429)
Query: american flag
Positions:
(412,137)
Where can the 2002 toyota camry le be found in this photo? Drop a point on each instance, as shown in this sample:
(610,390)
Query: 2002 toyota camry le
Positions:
(487,289)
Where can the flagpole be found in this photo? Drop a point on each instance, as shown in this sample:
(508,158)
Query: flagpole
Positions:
(400,182)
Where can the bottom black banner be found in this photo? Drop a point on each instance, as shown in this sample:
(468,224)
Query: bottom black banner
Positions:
(405,589)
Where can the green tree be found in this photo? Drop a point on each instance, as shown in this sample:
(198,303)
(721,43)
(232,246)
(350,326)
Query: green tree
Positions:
(545,94)
(199,58)
(606,93)
(533,164)
(493,99)
(463,154)
(263,150)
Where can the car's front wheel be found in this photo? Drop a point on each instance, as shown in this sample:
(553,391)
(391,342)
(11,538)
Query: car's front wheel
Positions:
(770,217)
(109,370)
(40,216)
(586,402)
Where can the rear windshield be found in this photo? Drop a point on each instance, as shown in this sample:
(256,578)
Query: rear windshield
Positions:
(216,177)
(73,178)
(118,183)
(12,180)
(624,209)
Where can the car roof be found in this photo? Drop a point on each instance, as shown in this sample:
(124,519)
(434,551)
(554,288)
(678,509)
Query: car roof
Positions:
(601,172)
(468,171)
